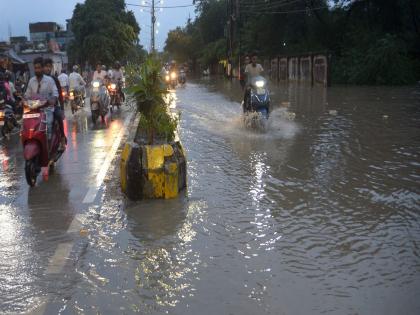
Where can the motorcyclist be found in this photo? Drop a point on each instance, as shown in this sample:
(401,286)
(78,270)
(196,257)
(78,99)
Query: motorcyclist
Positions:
(252,70)
(117,76)
(64,80)
(76,81)
(59,108)
(173,67)
(99,74)
(43,87)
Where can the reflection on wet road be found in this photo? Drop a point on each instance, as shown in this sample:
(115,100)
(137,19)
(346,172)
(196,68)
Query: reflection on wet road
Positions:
(318,215)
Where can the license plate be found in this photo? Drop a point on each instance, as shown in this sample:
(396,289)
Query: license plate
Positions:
(71,98)
(260,91)
(27,116)
(1,122)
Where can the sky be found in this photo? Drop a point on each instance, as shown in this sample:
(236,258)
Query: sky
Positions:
(19,13)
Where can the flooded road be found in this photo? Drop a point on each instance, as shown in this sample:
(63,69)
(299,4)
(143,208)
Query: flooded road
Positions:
(320,214)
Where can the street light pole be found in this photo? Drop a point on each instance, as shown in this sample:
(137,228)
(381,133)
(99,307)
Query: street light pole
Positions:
(152,38)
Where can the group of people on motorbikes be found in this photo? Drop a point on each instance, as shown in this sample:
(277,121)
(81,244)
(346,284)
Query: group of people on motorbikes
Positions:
(46,85)
(172,74)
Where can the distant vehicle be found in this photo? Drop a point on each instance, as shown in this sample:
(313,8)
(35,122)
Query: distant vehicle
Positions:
(114,90)
(182,77)
(99,101)
(257,106)
(171,79)
(7,119)
(76,100)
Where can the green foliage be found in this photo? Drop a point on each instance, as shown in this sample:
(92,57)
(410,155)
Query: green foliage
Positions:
(104,31)
(372,42)
(147,87)
(383,61)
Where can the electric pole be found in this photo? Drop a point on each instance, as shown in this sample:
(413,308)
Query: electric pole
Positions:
(152,37)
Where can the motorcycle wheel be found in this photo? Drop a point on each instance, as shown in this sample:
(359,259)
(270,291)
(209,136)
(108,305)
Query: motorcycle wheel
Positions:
(30,172)
(94,117)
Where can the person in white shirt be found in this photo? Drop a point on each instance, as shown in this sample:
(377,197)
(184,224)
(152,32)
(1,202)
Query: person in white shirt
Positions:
(43,87)
(252,70)
(99,74)
(76,81)
(117,76)
(64,80)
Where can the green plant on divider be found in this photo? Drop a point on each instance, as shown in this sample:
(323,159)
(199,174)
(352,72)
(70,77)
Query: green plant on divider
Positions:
(146,86)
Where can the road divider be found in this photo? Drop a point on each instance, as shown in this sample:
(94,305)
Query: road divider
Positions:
(152,171)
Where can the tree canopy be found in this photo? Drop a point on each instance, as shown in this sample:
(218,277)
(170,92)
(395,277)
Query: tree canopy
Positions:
(104,31)
(370,41)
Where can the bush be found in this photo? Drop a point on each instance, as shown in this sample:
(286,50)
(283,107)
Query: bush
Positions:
(147,87)
(381,61)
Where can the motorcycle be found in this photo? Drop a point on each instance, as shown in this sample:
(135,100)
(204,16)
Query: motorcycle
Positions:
(65,96)
(38,151)
(171,79)
(257,106)
(7,119)
(99,101)
(76,100)
(182,77)
(114,90)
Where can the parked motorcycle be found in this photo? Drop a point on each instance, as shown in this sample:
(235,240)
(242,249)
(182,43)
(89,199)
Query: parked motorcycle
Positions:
(7,119)
(38,151)
(76,100)
(257,106)
(99,101)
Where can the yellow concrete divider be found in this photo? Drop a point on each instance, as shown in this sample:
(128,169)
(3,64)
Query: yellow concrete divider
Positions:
(153,171)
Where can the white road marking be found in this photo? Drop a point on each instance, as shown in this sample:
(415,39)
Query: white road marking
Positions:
(77,223)
(59,259)
(93,191)
(63,250)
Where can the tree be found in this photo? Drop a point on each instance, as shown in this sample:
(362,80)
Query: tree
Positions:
(104,31)
(179,44)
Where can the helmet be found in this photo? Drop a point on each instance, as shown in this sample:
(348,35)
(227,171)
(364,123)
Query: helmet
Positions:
(117,64)
(103,67)
(75,68)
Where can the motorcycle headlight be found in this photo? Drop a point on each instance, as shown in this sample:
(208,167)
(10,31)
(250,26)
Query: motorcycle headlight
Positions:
(1,115)
(173,75)
(113,86)
(95,84)
(71,94)
(259,84)
(167,78)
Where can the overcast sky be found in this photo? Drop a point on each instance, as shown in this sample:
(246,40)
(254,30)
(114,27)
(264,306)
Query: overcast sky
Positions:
(19,13)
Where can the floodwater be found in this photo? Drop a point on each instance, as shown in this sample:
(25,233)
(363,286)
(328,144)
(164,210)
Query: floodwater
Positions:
(318,215)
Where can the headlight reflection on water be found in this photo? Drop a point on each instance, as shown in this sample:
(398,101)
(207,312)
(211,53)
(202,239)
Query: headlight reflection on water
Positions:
(169,270)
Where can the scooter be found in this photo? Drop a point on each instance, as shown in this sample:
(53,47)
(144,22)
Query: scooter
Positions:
(38,151)
(99,101)
(7,119)
(76,100)
(257,107)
